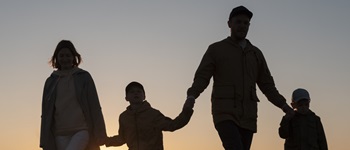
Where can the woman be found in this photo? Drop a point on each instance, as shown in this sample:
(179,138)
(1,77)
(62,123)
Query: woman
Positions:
(71,113)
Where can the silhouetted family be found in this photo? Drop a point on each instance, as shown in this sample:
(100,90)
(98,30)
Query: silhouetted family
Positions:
(72,118)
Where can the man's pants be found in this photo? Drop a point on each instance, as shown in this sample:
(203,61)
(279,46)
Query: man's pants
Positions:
(77,141)
(234,137)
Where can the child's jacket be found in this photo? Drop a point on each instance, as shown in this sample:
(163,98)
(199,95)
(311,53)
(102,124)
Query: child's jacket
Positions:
(141,129)
(303,132)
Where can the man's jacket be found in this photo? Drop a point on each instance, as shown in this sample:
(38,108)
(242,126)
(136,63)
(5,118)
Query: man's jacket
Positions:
(235,72)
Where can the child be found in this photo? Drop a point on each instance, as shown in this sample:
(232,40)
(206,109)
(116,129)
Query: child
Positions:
(141,126)
(304,130)
(71,113)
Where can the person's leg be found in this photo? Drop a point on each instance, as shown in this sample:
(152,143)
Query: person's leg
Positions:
(246,137)
(62,142)
(79,141)
(229,135)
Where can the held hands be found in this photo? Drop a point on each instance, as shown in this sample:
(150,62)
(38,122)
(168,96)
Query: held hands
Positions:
(109,141)
(189,103)
(289,112)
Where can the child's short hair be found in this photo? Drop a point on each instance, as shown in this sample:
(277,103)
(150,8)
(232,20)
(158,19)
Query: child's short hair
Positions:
(300,94)
(132,85)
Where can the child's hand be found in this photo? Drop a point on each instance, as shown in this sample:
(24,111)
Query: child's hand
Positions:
(189,103)
(289,116)
(108,141)
(114,141)
(288,110)
(101,141)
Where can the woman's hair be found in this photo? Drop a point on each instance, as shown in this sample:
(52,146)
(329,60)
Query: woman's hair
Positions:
(61,45)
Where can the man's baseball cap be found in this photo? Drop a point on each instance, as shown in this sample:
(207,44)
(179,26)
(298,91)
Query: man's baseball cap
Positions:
(240,10)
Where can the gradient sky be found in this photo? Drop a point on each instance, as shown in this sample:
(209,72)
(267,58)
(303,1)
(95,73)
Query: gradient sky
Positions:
(160,43)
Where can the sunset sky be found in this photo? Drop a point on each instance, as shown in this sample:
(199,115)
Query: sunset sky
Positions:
(160,44)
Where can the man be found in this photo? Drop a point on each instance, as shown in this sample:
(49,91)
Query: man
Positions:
(237,67)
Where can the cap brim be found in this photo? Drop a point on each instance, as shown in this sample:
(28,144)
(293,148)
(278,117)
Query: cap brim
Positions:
(301,98)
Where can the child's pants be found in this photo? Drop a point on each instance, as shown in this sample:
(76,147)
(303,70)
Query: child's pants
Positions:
(77,141)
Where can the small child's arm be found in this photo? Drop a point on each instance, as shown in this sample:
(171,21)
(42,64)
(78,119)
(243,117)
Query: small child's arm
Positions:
(167,124)
(283,130)
(117,140)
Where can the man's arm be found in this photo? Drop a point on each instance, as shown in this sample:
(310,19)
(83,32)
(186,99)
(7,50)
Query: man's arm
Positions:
(322,142)
(267,86)
(203,75)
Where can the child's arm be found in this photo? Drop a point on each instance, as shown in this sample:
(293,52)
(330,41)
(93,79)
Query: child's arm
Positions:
(167,124)
(283,130)
(117,140)
(322,142)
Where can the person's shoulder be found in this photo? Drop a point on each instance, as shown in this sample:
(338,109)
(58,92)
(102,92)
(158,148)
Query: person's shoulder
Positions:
(156,111)
(315,115)
(123,113)
(221,42)
(151,109)
(253,47)
(219,46)
(51,77)
(82,73)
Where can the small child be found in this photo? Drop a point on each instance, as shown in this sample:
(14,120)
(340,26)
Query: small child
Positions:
(141,126)
(304,130)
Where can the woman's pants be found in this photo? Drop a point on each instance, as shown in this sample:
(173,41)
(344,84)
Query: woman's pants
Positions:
(76,141)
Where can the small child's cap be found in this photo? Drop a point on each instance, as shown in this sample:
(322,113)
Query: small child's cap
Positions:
(300,94)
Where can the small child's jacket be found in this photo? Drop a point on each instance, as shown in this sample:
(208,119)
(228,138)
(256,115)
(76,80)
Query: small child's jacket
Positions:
(141,129)
(303,132)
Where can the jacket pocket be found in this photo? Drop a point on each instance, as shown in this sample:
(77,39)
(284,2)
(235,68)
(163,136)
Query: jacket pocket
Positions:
(253,95)
(223,106)
(223,92)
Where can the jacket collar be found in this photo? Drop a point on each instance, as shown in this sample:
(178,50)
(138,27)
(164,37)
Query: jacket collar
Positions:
(307,114)
(74,71)
(144,106)
(236,44)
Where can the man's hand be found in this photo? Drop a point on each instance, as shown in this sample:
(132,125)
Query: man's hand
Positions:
(289,111)
(189,103)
